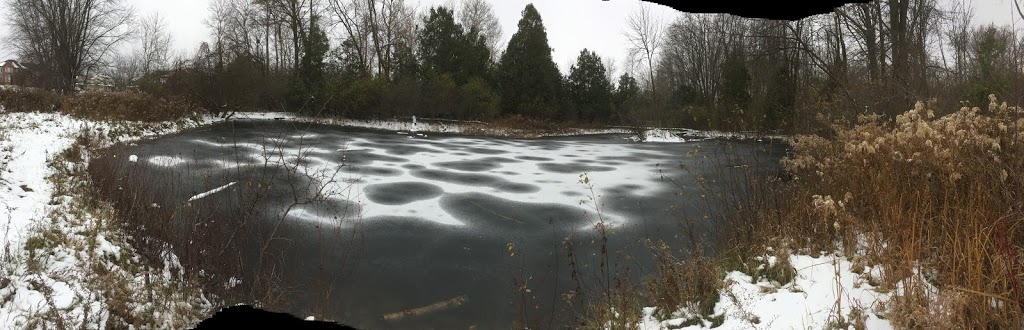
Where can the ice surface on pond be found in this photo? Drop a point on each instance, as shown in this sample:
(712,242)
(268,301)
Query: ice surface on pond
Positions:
(419,178)
(437,211)
(458,181)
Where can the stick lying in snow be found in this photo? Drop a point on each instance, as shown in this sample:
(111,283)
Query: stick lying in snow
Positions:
(435,307)
(211,192)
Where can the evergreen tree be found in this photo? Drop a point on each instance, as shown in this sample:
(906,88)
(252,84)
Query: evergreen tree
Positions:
(438,42)
(780,99)
(589,88)
(735,88)
(446,48)
(528,79)
(990,74)
(475,57)
(348,61)
(626,93)
(308,85)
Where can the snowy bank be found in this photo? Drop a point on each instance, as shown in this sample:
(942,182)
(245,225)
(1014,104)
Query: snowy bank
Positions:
(826,292)
(411,127)
(65,263)
(658,135)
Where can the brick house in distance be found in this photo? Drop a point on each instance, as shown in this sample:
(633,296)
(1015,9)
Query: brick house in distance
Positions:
(8,70)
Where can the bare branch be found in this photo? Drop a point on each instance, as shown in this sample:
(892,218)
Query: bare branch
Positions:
(645,34)
(64,39)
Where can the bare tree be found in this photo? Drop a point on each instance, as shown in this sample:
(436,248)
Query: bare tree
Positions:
(296,14)
(1020,12)
(349,14)
(865,20)
(156,43)
(645,33)
(67,38)
(697,46)
(611,68)
(479,15)
(958,35)
(124,70)
(218,24)
(397,22)
(373,31)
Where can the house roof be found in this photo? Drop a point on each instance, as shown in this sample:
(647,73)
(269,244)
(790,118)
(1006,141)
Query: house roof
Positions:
(14,63)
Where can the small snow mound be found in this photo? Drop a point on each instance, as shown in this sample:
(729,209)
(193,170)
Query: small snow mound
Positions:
(133,158)
(658,135)
(232,282)
(310,318)
(166,161)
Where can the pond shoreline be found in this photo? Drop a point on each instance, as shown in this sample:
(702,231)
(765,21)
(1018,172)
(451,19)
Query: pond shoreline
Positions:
(478,170)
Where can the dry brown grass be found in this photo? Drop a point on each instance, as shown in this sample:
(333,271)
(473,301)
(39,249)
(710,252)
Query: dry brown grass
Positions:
(692,283)
(131,106)
(29,99)
(934,202)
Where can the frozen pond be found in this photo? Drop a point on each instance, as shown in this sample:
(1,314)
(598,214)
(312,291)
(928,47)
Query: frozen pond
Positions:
(447,226)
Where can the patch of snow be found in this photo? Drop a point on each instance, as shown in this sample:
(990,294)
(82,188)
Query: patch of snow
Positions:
(659,135)
(809,301)
(232,282)
(64,284)
(166,161)
(211,192)
(133,158)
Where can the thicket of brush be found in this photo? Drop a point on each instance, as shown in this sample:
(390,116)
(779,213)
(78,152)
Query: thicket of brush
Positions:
(99,105)
(935,203)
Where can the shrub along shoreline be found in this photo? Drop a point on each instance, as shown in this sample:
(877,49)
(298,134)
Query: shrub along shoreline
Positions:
(924,211)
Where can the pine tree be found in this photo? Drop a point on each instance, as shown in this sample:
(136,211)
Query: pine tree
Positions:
(735,89)
(589,88)
(446,48)
(989,75)
(528,79)
(626,93)
(308,85)
(780,99)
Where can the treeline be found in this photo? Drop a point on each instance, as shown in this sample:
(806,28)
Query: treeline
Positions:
(383,58)
(721,71)
(389,62)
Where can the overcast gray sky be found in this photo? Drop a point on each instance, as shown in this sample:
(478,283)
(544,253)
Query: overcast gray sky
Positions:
(571,24)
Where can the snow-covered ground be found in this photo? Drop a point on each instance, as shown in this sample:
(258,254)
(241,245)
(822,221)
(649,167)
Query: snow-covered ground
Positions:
(54,243)
(825,293)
